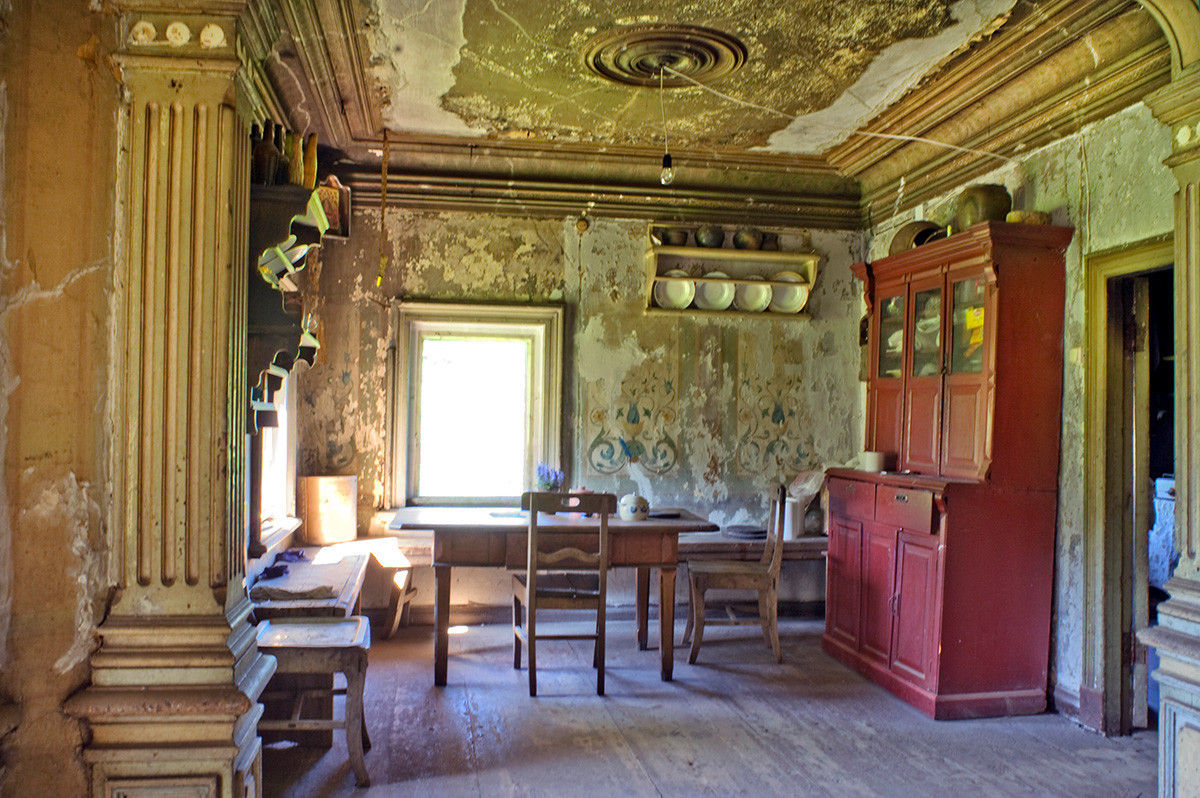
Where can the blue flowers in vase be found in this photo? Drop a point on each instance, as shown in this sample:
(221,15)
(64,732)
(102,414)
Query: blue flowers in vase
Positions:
(549,477)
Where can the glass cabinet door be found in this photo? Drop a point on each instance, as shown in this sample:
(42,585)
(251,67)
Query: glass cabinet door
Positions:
(891,337)
(967,390)
(885,397)
(927,333)
(967,322)
(923,384)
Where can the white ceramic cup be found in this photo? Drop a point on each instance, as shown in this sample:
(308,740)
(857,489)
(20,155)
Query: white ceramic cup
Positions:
(872,461)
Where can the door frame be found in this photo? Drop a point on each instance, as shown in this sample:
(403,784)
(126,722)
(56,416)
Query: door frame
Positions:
(1101,690)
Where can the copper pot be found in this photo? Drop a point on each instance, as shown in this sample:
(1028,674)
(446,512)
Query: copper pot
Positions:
(986,202)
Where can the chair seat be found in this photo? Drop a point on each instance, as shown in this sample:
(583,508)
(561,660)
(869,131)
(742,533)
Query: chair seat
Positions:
(740,567)
(565,585)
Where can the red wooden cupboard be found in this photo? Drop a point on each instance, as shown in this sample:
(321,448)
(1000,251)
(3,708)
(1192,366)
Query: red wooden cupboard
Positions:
(940,571)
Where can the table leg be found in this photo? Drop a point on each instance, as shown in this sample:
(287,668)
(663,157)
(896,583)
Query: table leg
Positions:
(666,620)
(441,623)
(642,607)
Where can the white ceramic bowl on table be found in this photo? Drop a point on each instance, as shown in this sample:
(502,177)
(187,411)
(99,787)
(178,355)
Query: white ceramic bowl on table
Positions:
(786,298)
(752,297)
(674,294)
(714,296)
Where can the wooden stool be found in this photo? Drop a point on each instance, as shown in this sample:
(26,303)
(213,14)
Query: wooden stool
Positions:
(322,646)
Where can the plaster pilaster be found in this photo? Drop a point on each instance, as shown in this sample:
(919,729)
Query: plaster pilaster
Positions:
(1177,635)
(175,682)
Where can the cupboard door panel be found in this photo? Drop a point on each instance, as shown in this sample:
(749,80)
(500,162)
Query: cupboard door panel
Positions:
(922,414)
(916,585)
(879,560)
(965,428)
(885,432)
(843,581)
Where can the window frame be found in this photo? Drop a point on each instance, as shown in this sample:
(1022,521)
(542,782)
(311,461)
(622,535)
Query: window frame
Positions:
(412,320)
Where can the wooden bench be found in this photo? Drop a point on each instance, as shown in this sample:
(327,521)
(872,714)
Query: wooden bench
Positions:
(329,582)
(318,648)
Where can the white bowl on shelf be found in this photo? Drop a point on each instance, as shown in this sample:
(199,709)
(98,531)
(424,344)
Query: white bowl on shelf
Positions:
(786,298)
(752,297)
(715,296)
(674,294)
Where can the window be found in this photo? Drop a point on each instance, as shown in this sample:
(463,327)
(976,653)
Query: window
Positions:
(278,477)
(477,401)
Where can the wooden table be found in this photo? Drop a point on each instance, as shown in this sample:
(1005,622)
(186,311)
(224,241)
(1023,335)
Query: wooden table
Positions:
(497,537)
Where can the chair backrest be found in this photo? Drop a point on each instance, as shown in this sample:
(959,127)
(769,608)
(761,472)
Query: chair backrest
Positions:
(772,555)
(570,551)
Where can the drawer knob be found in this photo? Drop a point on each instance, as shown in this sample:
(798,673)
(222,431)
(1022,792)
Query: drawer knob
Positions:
(900,497)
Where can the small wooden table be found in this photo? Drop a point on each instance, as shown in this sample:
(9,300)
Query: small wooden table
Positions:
(497,537)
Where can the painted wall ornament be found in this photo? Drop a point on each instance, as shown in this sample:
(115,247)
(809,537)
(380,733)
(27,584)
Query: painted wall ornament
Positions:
(640,426)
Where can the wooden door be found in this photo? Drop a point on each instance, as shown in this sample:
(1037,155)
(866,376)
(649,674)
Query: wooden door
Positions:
(878,569)
(923,376)
(844,581)
(915,642)
(970,383)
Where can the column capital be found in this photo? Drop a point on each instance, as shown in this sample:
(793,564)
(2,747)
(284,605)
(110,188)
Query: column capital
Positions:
(1178,104)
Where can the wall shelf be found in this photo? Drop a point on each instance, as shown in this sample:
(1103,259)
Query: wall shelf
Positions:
(739,264)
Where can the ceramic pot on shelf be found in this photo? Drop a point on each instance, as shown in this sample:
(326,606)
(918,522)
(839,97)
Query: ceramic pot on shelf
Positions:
(747,238)
(710,236)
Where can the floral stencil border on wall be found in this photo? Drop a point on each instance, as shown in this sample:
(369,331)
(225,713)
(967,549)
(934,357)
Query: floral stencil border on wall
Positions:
(771,440)
(641,425)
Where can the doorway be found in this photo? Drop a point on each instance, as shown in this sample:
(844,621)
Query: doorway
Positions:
(1126,358)
(1140,456)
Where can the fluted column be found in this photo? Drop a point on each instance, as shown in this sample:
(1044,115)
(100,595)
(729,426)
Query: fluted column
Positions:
(177,676)
(1177,635)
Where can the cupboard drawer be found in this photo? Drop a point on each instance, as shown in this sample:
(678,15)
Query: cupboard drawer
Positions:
(850,499)
(906,507)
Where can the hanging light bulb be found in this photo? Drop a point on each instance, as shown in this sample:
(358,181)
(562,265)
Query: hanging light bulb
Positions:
(667,175)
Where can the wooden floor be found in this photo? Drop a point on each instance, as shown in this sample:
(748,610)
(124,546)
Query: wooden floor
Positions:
(733,724)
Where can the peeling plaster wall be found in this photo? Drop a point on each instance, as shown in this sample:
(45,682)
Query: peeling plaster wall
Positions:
(56,218)
(717,408)
(1110,184)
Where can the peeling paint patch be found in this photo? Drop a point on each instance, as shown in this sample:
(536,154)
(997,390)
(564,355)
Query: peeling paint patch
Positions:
(67,504)
(891,74)
(417,44)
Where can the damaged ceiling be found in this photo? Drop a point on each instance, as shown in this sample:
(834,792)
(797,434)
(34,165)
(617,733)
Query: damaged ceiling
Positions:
(794,111)
(813,71)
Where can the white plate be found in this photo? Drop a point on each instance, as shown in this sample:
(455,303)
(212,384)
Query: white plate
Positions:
(714,296)
(752,297)
(786,299)
(674,294)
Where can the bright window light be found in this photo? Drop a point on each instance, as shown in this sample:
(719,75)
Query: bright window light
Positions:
(473,417)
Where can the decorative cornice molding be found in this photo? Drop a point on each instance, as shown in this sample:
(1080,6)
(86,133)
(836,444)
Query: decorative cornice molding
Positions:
(1056,115)
(1026,87)
(1030,36)
(523,178)
(1179,100)
(327,40)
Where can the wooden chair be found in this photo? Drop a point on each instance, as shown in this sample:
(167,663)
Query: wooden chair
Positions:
(563,571)
(762,576)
